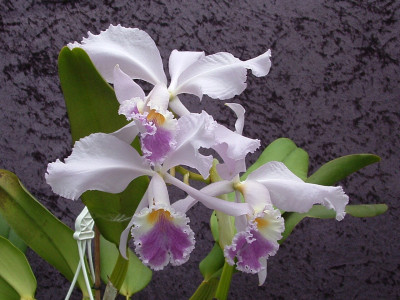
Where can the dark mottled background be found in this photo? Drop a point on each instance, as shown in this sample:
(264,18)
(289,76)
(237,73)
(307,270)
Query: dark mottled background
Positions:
(333,88)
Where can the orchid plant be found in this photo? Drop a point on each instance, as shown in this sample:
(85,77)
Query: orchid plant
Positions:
(128,152)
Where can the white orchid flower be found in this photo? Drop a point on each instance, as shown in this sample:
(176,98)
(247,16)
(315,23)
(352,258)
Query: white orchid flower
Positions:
(220,75)
(269,187)
(107,162)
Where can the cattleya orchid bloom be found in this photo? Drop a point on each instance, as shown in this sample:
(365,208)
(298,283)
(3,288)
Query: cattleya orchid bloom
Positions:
(220,75)
(274,185)
(269,187)
(107,162)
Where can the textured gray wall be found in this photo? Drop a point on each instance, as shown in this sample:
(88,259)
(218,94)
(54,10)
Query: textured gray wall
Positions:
(333,88)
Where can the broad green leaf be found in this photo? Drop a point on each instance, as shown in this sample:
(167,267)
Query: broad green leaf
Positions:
(321,212)
(38,228)
(8,233)
(338,169)
(213,262)
(16,272)
(286,151)
(7,291)
(138,275)
(92,107)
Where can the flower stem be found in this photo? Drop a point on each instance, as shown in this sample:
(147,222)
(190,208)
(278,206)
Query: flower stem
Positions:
(117,278)
(224,282)
(192,175)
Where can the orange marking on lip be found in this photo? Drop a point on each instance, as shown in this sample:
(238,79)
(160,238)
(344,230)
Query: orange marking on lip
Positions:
(155,215)
(262,223)
(156,117)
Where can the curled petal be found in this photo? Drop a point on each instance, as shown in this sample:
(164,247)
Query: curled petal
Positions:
(125,88)
(98,162)
(259,241)
(233,148)
(195,131)
(220,75)
(133,49)
(239,111)
(179,61)
(288,192)
(162,236)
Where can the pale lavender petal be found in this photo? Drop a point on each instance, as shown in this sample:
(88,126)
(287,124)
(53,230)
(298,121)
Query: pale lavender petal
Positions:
(162,236)
(239,111)
(220,75)
(125,88)
(214,189)
(179,61)
(98,162)
(195,131)
(289,193)
(259,65)
(233,148)
(125,234)
(262,274)
(256,194)
(158,98)
(227,207)
(127,133)
(177,107)
(133,49)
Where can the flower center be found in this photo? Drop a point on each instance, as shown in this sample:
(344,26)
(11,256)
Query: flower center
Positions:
(158,214)
(155,117)
(262,223)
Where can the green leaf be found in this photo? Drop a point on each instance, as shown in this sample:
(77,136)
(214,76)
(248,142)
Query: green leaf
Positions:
(338,169)
(286,151)
(92,107)
(213,262)
(321,212)
(9,233)
(38,228)
(137,276)
(206,290)
(16,272)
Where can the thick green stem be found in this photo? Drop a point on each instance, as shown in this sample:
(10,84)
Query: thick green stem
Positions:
(206,290)
(224,282)
(116,279)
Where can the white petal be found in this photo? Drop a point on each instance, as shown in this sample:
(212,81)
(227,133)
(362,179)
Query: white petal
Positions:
(220,75)
(259,65)
(179,61)
(227,207)
(98,162)
(233,148)
(125,88)
(158,98)
(195,131)
(256,194)
(157,192)
(177,107)
(131,48)
(262,275)
(124,235)
(239,111)
(215,189)
(127,133)
(289,193)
